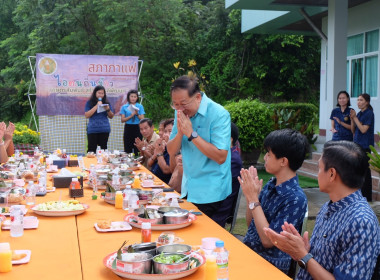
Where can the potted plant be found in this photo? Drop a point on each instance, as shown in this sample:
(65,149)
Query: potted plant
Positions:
(374,157)
(253,118)
(25,139)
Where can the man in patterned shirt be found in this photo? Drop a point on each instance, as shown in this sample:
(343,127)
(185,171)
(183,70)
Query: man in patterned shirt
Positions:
(281,199)
(346,237)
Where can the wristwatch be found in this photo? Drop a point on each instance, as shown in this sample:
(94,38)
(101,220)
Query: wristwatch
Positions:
(160,155)
(193,135)
(303,262)
(253,205)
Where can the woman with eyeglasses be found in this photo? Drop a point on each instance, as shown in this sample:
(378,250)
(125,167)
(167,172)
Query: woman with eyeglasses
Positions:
(363,127)
(131,114)
(340,118)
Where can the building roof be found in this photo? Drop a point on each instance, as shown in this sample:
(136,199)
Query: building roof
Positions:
(282,16)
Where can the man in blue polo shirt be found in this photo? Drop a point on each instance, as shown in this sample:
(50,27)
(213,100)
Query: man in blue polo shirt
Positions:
(202,130)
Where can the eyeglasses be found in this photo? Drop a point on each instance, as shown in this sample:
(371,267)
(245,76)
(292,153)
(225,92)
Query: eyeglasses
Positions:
(185,106)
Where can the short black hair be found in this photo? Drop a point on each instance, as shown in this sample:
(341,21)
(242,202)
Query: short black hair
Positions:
(288,143)
(168,122)
(348,159)
(185,82)
(234,133)
(146,120)
(132,91)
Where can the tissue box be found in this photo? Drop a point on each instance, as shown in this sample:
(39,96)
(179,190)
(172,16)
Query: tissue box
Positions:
(64,181)
(72,163)
(60,163)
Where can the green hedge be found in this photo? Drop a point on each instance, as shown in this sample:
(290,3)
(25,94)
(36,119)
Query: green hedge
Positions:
(253,118)
(307,109)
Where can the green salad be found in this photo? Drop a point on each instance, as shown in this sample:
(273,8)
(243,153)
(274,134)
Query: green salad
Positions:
(168,259)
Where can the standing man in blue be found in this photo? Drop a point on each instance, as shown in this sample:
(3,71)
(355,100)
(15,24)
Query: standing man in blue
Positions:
(202,130)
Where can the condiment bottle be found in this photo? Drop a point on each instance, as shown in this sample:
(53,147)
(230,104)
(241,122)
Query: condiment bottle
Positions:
(211,268)
(146,232)
(221,255)
(5,257)
(119,200)
(74,185)
(137,183)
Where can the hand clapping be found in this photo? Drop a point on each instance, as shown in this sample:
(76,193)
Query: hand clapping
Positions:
(250,183)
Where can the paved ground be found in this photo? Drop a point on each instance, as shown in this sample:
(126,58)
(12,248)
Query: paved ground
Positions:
(315,201)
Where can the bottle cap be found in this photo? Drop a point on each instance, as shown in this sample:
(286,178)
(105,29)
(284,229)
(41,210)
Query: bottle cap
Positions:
(219,244)
(5,247)
(119,192)
(146,226)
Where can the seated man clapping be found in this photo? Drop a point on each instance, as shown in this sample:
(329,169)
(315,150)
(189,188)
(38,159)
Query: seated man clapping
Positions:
(346,239)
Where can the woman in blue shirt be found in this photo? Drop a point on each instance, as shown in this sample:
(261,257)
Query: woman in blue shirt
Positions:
(98,128)
(131,114)
(363,127)
(340,118)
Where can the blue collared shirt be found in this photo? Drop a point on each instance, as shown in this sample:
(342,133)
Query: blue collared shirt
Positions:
(125,111)
(346,239)
(204,180)
(285,203)
(365,139)
(342,132)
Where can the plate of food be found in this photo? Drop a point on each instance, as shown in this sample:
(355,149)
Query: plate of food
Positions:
(30,222)
(60,208)
(133,221)
(21,256)
(108,226)
(196,261)
(50,189)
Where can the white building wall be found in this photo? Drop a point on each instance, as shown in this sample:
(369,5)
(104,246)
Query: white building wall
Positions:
(361,19)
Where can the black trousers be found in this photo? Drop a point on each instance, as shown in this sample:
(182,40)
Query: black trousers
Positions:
(367,185)
(209,208)
(97,139)
(131,132)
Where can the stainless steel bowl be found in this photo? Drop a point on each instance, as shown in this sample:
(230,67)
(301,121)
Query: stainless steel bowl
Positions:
(176,216)
(138,267)
(164,209)
(148,247)
(174,248)
(154,221)
(163,268)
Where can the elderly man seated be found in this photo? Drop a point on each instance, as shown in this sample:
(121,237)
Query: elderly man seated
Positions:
(149,138)
(346,239)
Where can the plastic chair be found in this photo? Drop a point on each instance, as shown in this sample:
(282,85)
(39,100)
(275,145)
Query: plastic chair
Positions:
(236,210)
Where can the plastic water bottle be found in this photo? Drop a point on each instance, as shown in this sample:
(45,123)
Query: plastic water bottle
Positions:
(116,181)
(221,255)
(17,222)
(126,194)
(92,177)
(36,151)
(42,180)
(81,162)
(17,154)
(99,154)
(30,196)
(133,202)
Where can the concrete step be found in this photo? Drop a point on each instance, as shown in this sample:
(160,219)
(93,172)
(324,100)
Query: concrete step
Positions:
(307,173)
(316,156)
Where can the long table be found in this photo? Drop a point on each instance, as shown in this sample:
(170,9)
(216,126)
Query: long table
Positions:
(71,248)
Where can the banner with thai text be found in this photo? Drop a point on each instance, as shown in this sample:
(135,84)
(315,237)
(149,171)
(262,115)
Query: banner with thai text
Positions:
(65,82)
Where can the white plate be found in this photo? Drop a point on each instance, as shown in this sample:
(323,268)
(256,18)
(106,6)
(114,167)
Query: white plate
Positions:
(115,226)
(107,261)
(30,222)
(152,186)
(128,218)
(170,195)
(60,213)
(50,190)
(25,210)
(23,260)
